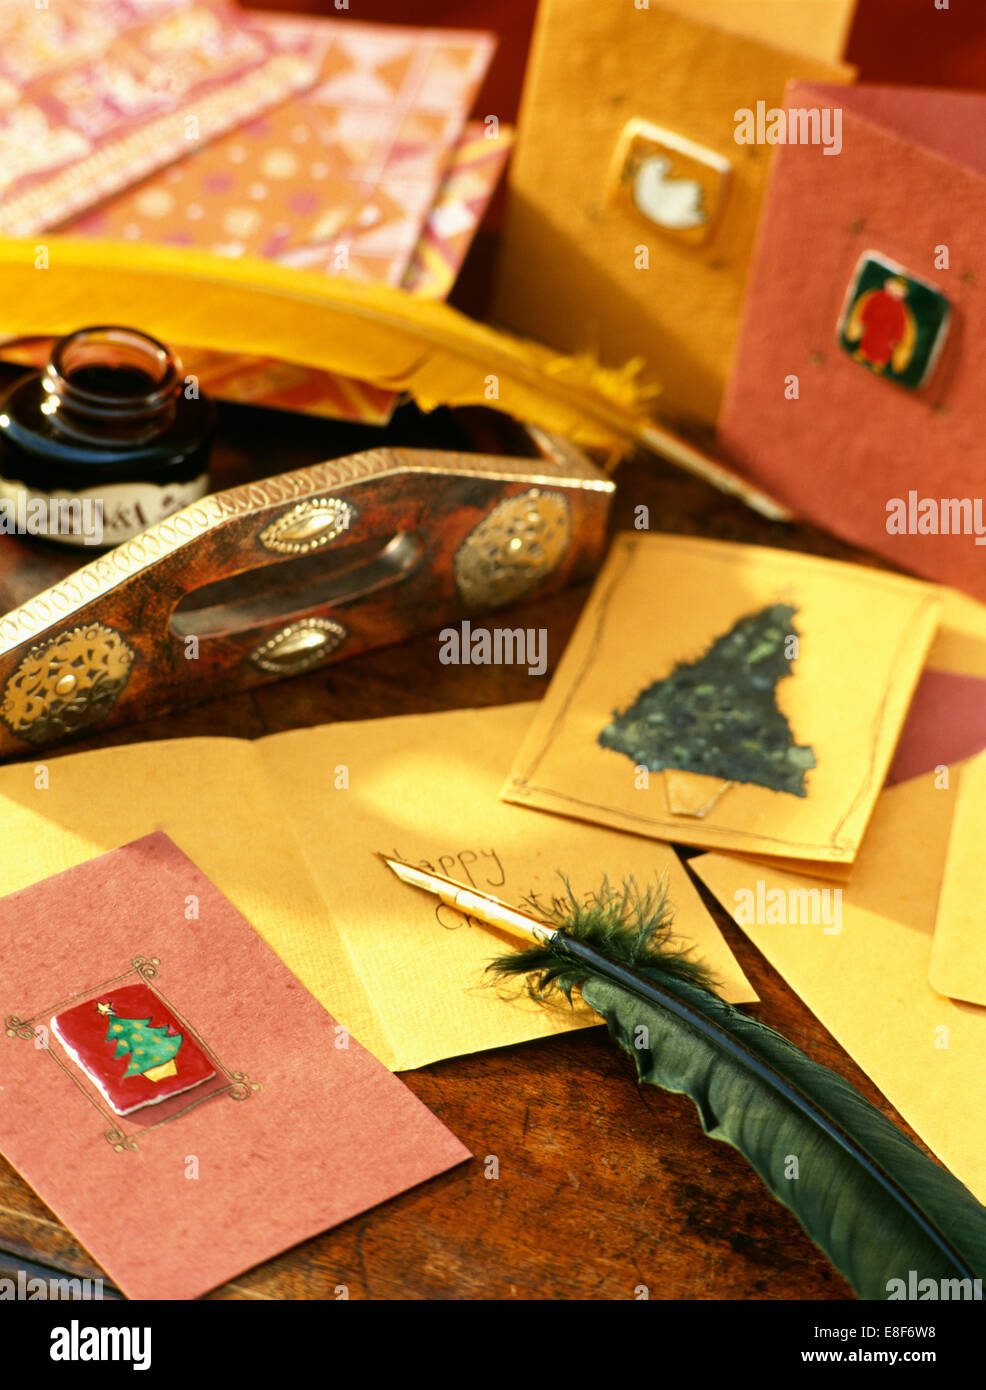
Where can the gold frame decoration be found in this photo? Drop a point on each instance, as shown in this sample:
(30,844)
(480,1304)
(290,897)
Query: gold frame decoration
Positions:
(672,183)
(238,1085)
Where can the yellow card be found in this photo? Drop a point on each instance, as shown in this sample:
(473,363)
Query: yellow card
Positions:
(862,967)
(633,210)
(816,28)
(958,958)
(424,788)
(287,828)
(784,676)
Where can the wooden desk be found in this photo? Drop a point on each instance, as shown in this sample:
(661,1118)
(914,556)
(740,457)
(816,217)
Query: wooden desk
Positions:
(603,1186)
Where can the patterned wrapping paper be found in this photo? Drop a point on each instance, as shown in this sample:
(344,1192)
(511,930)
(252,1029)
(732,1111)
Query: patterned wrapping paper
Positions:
(96,94)
(447,235)
(374,158)
(340,179)
(474,172)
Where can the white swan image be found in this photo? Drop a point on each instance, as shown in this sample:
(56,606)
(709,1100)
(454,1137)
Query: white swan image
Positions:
(673,203)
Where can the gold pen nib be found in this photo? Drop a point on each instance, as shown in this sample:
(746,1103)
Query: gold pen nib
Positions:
(418,878)
(474,904)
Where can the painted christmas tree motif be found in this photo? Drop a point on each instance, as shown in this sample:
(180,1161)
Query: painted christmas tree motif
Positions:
(718,716)
(163,1056)
(152,1050)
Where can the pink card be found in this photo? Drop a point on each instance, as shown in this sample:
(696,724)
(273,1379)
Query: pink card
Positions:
(945,724)
(856,388)
(155,1045)
(97,94)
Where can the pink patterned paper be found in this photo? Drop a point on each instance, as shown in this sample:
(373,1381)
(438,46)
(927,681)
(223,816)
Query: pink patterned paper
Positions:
(475,168)
(342,178)
(372,175)
(476,165)
(95,94)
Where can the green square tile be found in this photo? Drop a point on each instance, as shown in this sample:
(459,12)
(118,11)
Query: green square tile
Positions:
(893,323)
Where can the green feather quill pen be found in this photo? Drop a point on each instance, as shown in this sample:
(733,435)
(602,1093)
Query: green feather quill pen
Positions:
(874,1203)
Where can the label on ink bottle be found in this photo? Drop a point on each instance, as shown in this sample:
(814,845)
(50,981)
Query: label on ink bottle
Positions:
(103,517)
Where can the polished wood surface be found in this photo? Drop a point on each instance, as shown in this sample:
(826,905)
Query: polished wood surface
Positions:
(605,1188)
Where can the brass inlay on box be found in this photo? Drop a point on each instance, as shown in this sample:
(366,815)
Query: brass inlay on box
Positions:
(299,646)
(308,526)
(66,683)
(521,540)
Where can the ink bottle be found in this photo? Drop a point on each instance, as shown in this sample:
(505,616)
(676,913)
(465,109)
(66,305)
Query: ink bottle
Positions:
(109,429)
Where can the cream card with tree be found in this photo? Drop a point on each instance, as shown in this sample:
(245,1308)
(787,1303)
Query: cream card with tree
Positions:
(729,696)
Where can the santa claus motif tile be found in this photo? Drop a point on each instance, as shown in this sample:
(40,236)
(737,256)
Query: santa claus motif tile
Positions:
(132,1048)
(893,323)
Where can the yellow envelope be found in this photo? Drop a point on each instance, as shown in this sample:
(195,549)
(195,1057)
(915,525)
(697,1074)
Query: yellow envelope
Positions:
(958,957)
(859,641)
(867,981)
(960,643)
(287,828)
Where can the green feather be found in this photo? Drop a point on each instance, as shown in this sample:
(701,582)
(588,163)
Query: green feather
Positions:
(875,1204)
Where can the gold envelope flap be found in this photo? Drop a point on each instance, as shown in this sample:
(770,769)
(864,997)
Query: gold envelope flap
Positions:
(958,954)
(864,971)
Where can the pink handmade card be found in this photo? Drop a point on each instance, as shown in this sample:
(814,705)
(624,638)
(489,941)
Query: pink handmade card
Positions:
(855,393)
(173,1092)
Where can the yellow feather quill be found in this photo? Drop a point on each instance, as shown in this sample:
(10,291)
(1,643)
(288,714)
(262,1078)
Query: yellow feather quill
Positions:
(367,332)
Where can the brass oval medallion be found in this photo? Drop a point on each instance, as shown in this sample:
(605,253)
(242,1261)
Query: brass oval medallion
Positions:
(308,526)
(66,683)
(520,541)
(299,646)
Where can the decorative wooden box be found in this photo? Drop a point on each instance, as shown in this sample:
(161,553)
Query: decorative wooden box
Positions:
(271,577)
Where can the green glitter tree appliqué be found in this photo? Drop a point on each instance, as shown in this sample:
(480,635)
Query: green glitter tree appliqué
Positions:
(150,1048)
(718,716)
